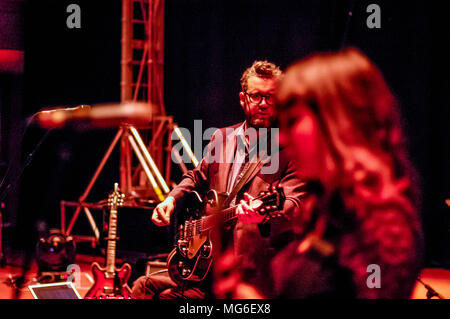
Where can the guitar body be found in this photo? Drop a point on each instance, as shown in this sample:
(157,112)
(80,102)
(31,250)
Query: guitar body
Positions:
(192,257)
(109,285)
(190,269)
(110,282)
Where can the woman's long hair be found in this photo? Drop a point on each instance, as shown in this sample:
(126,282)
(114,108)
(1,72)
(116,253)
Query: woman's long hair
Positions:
(377,187)
(359,118)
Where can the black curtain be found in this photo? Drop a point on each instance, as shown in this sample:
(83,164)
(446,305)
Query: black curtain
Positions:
(208,44)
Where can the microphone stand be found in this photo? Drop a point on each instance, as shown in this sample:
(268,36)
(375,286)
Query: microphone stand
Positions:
(430,291)
(2,254)
(20,280)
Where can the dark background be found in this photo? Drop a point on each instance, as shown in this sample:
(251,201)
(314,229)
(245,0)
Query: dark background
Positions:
(208,44)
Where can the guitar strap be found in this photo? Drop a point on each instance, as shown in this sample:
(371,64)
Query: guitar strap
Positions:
(249,171)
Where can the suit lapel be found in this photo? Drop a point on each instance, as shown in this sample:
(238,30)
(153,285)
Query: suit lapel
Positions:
(228,150)
(228,153)
(262,160)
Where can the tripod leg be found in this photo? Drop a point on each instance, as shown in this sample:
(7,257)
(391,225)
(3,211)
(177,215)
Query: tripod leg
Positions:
(148,159)
(94,179)
(146,169)
(92,223)
(180,161)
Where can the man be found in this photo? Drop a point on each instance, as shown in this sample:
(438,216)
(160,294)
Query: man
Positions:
(230,152)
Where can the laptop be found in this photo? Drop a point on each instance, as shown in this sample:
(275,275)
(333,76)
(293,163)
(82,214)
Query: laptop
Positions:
(60,290)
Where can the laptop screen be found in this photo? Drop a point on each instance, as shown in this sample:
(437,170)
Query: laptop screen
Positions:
(62,290)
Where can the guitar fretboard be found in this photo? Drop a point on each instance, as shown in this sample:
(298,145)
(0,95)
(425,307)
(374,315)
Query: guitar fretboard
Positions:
(208,222)
(199,226)
(111,249)
(270,200)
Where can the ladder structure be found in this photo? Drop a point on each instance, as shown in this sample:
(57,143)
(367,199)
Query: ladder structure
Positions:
(142,80)
(144,178)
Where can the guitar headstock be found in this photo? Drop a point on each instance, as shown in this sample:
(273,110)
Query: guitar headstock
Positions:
(116,198)
(270,201)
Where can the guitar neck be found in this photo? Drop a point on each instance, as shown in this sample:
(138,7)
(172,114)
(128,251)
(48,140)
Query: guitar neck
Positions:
(224,215)
(111,248)
(267,202)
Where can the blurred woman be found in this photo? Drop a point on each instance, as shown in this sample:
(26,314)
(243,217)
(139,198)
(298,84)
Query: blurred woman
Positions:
(359,232)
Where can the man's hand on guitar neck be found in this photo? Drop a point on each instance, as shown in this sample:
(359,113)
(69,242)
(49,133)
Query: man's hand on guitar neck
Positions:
(161,213)
(247,210)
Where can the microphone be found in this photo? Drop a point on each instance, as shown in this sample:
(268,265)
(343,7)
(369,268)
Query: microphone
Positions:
(103,115)
(57,116)
(63,109)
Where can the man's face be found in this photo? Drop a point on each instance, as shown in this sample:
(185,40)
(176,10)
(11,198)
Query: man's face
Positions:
(257,102)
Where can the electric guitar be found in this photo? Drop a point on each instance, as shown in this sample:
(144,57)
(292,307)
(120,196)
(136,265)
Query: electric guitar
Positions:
(111,282)
(191,259)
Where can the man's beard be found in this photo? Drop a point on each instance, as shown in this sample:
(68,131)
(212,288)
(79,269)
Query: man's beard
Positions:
(257,121)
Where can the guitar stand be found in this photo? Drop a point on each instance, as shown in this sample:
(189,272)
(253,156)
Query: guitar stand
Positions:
(430,291)
(130,140)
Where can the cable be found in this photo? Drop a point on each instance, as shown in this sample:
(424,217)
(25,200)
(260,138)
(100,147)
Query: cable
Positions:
(347,24)
(28,123)
(20,280)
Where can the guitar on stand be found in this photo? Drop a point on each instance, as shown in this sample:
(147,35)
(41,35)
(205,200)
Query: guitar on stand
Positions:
(110,282)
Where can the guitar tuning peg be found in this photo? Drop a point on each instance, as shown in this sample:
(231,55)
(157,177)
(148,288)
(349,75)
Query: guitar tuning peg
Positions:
(274,207)
(262,210)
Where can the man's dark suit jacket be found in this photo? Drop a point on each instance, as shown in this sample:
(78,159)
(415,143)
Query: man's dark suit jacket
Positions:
(254,244)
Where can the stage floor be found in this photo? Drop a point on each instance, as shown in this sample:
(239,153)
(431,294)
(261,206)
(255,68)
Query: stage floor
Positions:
(437,278)
(8,272)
